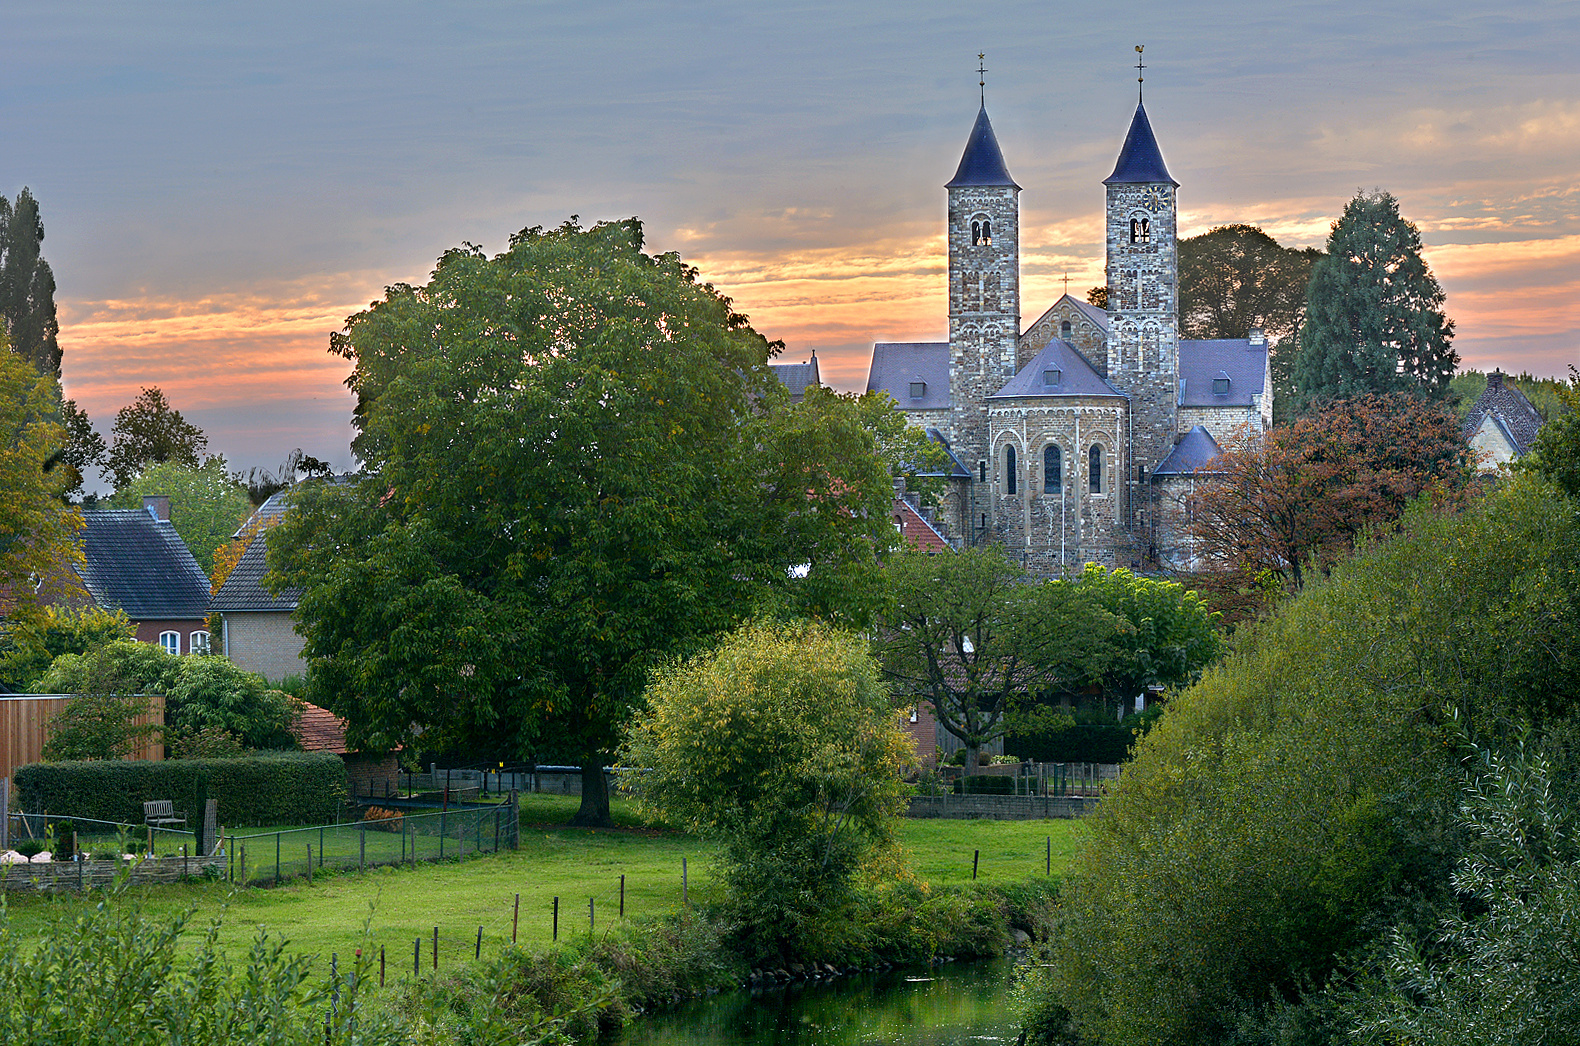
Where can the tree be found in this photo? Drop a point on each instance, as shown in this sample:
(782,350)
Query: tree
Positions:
(261,484)
(150,431)
(979,641)
(1299,494)
(206,503)
(1098,296)
(27,286)
(783,746)
(84,449)
(36,635)
(37,528)
(96,725)
(1556,454)
(578,467)
(1374,312)
(1171,635)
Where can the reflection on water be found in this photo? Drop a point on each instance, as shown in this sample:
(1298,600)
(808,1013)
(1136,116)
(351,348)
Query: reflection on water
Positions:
(956,1006)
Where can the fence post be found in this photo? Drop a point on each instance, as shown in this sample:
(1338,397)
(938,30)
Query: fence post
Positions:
(515,919)
(277,858)
(478,952)
(1047,863)
(381,966)
(5,813)
(622,897)
(320,848)
(685,901)
(436,949)
(309,863)
(975,856)
(556,931)
(444,829)
(416,957)
(362,845)
(185,870)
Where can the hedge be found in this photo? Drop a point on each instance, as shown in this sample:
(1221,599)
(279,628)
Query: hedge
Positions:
(272,788)
(985,784)
(1083,743)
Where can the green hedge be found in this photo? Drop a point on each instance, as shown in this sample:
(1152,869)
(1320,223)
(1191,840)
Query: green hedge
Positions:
(273,788)
(985,784)
(1083,743)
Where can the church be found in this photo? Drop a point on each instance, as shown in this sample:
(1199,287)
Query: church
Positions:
(1079,437)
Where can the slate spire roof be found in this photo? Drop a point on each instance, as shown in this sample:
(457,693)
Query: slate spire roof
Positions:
(1140,160)
(983,161)
(1194,453)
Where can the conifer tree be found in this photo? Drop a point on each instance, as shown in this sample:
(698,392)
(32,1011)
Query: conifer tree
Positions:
(27,286)
(1374,311)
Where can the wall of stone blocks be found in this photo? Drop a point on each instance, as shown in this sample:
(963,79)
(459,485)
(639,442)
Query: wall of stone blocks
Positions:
(1221,422)
(84,875)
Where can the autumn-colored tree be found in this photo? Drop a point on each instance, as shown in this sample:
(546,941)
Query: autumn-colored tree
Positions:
(37,529)
(1299,494)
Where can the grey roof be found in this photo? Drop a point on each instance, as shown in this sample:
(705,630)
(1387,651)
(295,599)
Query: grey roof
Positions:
(1140,160)
(797,376)
(1092,312)
(140,564)
(1244,364)
(1077,377)
(896,364)
(272,507)
(242,590)
(957,467)
(983,161)
(1509,410)
(1194,452)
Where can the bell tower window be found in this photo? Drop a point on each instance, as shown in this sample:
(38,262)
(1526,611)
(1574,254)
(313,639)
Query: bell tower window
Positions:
(1141,230)
(982,233)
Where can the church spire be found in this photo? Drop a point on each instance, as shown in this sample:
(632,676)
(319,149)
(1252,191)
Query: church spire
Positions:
(1140,159)
(983,161)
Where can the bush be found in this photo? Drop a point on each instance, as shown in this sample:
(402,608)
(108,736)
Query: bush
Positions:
(271,788)
(35,636)
(985,784)
(99,726)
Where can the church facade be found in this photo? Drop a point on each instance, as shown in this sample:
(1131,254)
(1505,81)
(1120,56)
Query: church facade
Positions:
(1080,436)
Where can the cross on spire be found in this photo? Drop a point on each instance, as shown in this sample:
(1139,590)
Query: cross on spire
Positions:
(982,77)
(1139,67)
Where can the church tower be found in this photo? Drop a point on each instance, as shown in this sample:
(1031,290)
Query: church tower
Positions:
(1143,296)
(984,299)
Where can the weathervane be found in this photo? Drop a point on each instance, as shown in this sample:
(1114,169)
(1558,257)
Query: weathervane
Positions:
(1139,67)
(982,76)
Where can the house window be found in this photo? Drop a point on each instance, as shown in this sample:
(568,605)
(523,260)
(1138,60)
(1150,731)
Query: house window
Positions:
(1064,330)
(171,642)
(1141,230)
(915,709)
(918,389)
(1052,376)
(1220,386)
(1052,469)
(1009,470)
(197,642)
(1094,470)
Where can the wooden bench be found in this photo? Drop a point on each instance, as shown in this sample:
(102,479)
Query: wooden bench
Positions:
(161,813)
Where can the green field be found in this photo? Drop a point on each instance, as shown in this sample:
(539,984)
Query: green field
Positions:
(574,865)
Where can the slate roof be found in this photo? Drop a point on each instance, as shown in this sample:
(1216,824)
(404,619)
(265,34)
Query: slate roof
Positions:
(272,508)
(1140,159)
(983,161)
(1244,364)
(957,468)
(895,364)
(242,589)
(796,377)
(1509,410)
(140,564)
(1193,453)
(1077,377)
(1092,312)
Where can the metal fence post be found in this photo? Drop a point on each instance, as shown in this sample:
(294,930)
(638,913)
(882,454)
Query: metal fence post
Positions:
(277,858)
(362,845)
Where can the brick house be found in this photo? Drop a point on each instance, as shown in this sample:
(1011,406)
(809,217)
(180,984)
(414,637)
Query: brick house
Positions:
(134,561)
(320,730)
(258,627)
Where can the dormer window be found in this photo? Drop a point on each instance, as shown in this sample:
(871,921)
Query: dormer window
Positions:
(918,389)
(1220,385)
(981,233)
(1052,376)
(1141,230)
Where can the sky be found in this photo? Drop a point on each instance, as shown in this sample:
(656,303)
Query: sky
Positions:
(222,184)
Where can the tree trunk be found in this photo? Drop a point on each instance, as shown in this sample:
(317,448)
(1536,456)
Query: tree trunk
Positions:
(594,811)
(973,760)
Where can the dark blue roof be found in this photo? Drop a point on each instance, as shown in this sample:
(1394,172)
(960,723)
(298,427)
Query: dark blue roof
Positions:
(1194,452)
(983,161)
(1077,377)
(1244,364)
(896,365)
(1140,161)
(796,377)
(140,564)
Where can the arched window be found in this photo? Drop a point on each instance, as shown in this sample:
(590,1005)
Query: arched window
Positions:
(197,642)
(1009,469)
(987,232)
(1141,230)
(1064,330)
(171,642)
(1094,470)
(976,234)
(1052,469)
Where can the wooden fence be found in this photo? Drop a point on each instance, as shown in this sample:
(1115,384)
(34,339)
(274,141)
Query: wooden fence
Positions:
(24,727)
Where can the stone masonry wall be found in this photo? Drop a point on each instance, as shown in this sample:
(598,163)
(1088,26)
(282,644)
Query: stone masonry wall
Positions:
(1143,301)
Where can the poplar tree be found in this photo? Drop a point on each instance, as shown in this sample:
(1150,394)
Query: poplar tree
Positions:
(1374,311)
(27,286)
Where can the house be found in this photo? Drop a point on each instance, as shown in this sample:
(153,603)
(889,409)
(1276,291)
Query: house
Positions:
(133,560)
(797,377)
(320,730)
(1502,426)
(258,627)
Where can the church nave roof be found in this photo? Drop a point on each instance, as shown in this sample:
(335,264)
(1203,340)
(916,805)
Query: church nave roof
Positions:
(1058,370)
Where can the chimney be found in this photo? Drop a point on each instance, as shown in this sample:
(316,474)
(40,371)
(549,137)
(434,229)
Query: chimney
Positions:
(157,506)
(1257,338)
(1495,380)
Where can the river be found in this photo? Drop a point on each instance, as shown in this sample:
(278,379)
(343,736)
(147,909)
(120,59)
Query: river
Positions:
(959,1004)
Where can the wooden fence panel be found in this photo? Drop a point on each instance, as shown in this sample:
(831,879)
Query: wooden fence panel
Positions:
(24,727)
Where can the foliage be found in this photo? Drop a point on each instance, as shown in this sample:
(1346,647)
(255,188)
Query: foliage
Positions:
(100,725)
(37,529)
(579,466)
(1171,635)
(108,973)
(974,637)
(27,286)
(1076,743)
(783,745)
(206,504)
(1547,395)
(1555,456)
(150,431)
(124,666)
(1098,296)
(208,742)
(265,788)
(261,484)
(36,635)
(1374,312)
(1300,494)
(1300,799)
(1499,969)
(84,449)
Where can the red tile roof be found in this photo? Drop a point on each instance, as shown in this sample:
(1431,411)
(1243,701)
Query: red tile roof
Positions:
(916,530)
(320,730)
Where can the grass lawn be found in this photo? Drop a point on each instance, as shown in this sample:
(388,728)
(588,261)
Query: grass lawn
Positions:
(571,864)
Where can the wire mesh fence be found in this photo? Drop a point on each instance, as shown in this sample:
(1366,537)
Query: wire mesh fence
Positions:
(93,838)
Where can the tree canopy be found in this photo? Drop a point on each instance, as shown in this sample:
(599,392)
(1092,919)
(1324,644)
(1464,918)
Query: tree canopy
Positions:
(27,286)
(150,431)
(1236,277)
(1166,635)
(206,503)
(1556,454)
(37,528)
(578,465)
(1374,311)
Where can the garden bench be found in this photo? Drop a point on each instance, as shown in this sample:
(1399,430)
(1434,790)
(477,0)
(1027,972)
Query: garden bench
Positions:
(160,813)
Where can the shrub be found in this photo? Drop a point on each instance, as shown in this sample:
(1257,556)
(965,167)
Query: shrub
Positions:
(985,784)
(270,788)
(35,636)
(99,726)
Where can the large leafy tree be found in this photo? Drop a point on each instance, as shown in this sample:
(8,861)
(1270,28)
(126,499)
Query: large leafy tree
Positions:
(1556,454)
(977,639)
(1167,634)
(27,286)
(37,528)
(206,503)
(1374,311)
(1299,494)
(578,466)
(85,449)
(149,431)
